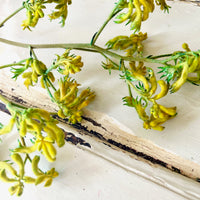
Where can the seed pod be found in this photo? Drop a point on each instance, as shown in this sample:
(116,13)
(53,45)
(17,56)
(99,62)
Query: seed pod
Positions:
(41,13)
(195,63)
(136,23)
(164,90)
(26,74)
(19,191)
(61,114)
(51,149)
(23,128)
(153,83)
(8,128)
(28,179)
(5,165)
(36,125)
(5,178)
(17,159)
(48,182)
(124,16)
(46,153)
(51,76)
(34,77)
(50,132)
(35,168)
(170,111)
(29,17)
(141,78)
(40,179)
(40,113)
(42,83)
(38,66)
(13,189)
(182,79)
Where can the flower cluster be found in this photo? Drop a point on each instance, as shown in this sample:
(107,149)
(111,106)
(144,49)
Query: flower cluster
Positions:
(62,10)
(45,133)
(71,64)
(186,68)
(38,69)
(37,122)
(130,44)
(69,102)
(143,81)
(35,11)
(138,11)
(19,178)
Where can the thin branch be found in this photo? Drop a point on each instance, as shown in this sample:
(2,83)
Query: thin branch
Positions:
(88,47)
(112,14)
(10,16)
(13,64)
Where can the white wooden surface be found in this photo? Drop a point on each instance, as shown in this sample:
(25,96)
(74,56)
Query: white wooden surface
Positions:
(181,136)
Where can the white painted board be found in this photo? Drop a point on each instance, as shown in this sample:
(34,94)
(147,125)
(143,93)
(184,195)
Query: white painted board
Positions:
(166,34)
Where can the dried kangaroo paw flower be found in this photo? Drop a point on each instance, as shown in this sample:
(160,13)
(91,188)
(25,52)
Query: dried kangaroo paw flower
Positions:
(130,44)
(137,11)
(69,102)
(71,63)
(41,176)
(61,10)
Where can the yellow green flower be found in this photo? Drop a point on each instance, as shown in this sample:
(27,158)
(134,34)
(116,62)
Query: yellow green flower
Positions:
(43,145)
(130,44)
(46,177)
(61,10)
(71,63)
(18,178)
(34,13)
(69,102)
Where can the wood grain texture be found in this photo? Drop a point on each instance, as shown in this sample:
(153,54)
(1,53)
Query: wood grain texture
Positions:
(105,130)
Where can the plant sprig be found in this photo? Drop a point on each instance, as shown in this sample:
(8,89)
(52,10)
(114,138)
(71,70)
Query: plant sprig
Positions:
(122,53)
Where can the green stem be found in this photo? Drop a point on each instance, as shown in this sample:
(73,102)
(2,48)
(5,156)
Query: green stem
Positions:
(27,158)
(10,105)
(93,48)
(112,14)
(13,64)
(48,90)
(114,64)
(50,69)
(129,90)
(10,16)
(76,46)
(132,86)
(27,155)
(33,53)
(51,84)
(18,106)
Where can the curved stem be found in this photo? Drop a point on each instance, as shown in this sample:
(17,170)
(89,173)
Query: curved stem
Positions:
(48,90)
(112,14)
(129,90)
(51,68)
(13,64)
(27,155)
(10,16)
(89,47)
(50,83)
